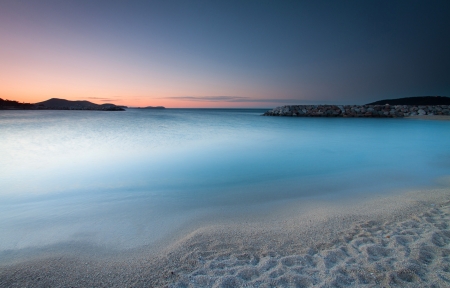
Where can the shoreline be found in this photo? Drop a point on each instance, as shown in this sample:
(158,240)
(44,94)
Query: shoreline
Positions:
(400,238)
(430,117)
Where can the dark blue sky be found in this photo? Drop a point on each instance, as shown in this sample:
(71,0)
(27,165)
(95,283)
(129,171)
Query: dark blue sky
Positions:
(224,53)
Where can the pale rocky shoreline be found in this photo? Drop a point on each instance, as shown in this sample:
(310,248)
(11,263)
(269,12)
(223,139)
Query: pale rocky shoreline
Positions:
(393,240)
(371,111)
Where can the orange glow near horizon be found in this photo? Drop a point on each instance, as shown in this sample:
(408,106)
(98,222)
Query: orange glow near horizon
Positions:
(51,65)
(35,92)
(39,76)
(168,103)
(32,84)
(129,100)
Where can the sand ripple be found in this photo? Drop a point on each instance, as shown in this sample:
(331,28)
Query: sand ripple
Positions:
(414,252)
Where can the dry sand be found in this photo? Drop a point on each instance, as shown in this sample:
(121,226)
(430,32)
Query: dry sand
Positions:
(400,239)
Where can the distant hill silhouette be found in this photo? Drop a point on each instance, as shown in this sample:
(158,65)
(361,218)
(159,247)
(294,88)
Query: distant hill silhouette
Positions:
(14,105)
(420,100)
(58,104)
(63,104)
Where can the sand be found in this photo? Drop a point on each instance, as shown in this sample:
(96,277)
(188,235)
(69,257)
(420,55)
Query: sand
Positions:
(396,239)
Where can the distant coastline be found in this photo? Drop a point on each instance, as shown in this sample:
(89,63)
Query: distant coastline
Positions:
(59,104)
(63,104)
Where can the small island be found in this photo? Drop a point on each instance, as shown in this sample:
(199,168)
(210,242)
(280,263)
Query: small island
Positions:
(151,107)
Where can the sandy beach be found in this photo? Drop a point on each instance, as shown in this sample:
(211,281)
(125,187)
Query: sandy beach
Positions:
(399,239)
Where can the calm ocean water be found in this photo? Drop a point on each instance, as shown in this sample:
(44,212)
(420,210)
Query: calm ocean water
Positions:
(125,179)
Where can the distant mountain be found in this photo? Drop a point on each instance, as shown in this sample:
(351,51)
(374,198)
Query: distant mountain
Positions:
(420,100)
(63,104)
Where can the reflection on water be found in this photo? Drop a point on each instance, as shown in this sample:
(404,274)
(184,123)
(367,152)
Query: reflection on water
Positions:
(124,179)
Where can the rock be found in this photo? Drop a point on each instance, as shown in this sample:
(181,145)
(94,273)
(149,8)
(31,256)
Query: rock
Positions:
(357,110)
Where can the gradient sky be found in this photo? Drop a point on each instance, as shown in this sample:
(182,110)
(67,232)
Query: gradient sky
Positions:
(223,53)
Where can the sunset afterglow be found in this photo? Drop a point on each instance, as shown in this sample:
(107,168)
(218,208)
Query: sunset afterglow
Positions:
(224,54)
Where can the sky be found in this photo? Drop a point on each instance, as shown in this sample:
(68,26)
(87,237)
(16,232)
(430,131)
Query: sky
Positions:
(223,53)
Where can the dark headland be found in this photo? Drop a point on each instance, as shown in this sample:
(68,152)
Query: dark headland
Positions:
(59,104)
(419,100)
(389,108)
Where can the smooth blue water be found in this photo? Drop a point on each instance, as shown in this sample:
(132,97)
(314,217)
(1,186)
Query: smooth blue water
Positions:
(125,179)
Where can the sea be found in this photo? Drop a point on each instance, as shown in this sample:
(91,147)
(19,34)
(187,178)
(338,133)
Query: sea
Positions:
(128,179)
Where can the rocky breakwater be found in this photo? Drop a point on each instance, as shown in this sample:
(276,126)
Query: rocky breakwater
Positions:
(374,111)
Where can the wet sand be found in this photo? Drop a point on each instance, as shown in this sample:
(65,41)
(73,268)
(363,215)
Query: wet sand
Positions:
(390,239)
